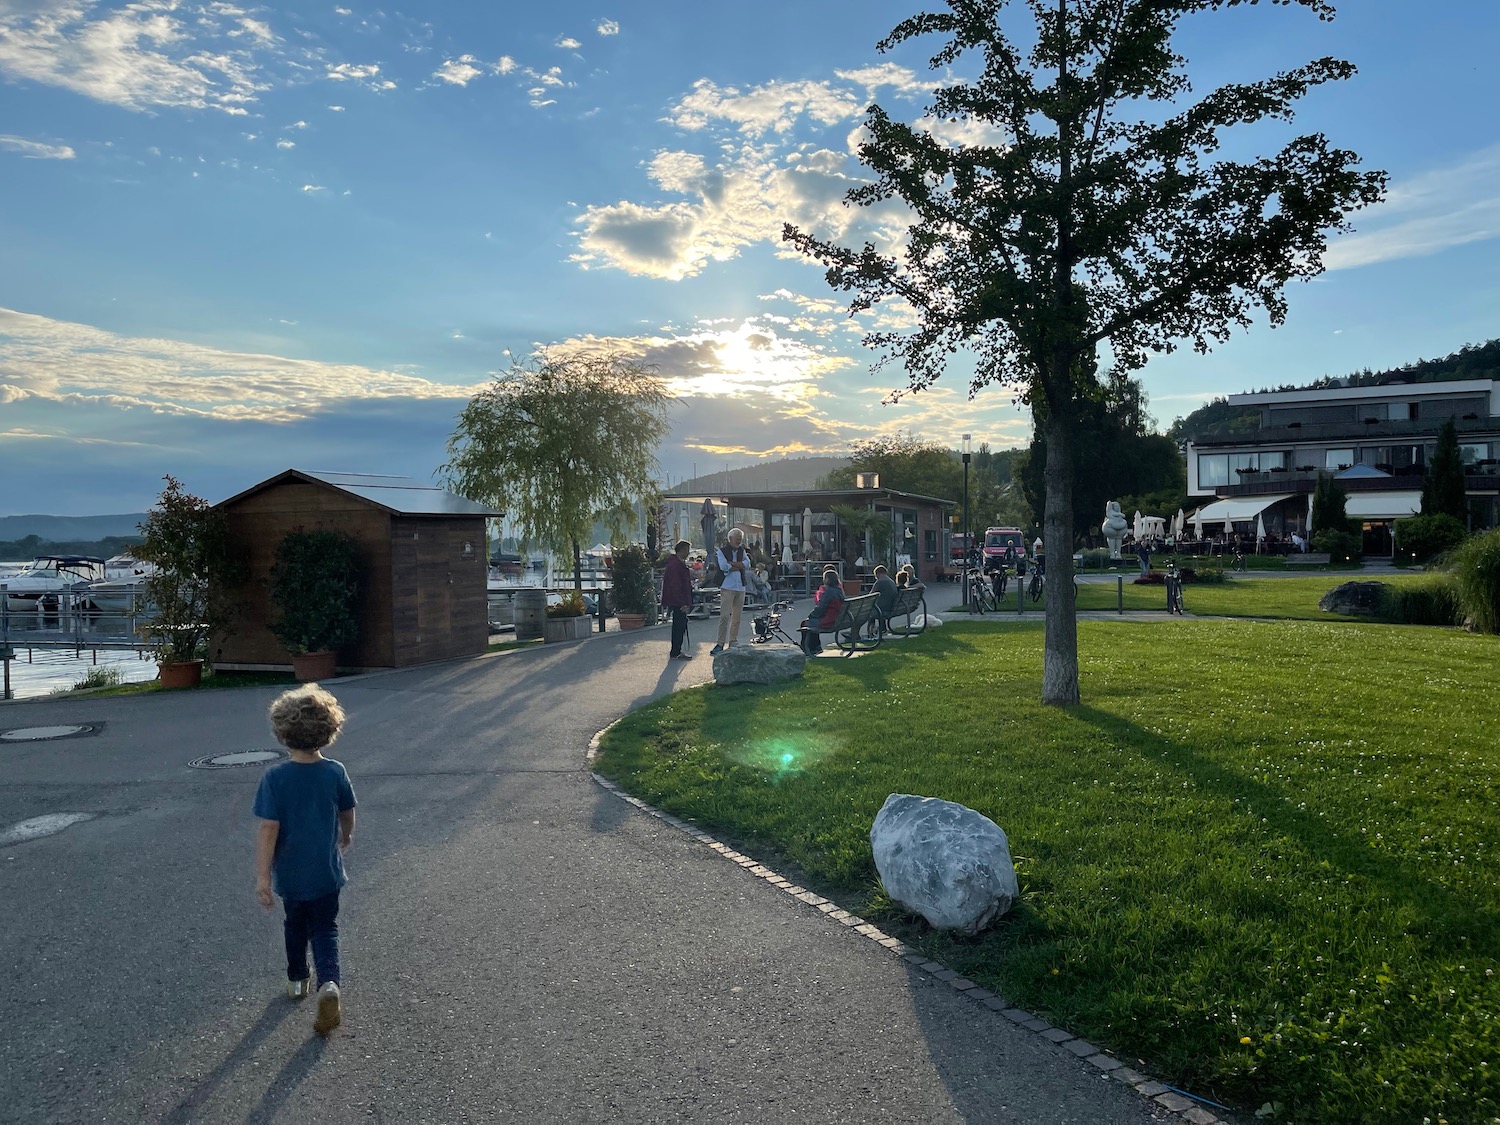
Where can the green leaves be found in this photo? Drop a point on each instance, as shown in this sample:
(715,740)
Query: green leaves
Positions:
(559,441)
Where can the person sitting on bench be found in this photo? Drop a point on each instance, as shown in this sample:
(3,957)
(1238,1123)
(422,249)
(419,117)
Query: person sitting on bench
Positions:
(885,600)
(826,607)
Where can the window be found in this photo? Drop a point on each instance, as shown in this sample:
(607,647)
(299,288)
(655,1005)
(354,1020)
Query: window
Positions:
(1337,458)
(1213,470)
(1472,453)
(1374,455)
(929,546)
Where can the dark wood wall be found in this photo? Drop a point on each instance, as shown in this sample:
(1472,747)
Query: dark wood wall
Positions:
(422,600)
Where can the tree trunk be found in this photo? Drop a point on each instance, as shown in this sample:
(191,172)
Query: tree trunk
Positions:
(577,568)
(1060,656)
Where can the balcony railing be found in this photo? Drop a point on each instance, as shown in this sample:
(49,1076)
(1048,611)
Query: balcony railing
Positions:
(1483,476)
(1356,432)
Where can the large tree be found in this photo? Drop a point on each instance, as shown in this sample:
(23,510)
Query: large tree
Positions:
(561,442)
(1093,214)
(1444,488)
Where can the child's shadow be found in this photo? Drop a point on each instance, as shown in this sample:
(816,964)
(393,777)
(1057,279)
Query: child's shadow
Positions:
(296,1069)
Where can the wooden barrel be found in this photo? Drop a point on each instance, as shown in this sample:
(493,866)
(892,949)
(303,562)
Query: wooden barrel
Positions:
(531,611)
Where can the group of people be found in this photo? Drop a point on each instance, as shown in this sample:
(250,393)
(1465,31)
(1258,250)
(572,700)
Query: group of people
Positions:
(740,578)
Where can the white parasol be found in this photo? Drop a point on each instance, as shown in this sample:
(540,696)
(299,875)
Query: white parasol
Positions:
(1177,524)
(1138,529)
(1198,524)
(1308,533)
(786,554)
(1260,527)
(806,528)
(1228,526)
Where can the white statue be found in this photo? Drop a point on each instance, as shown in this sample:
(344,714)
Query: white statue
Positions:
(1114,527)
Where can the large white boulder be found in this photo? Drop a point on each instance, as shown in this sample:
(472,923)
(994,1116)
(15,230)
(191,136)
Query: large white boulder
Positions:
(759,664)
(944,861)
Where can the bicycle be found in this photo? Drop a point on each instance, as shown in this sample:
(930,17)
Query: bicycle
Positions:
(1037,584)
(981,599)
(1174,590)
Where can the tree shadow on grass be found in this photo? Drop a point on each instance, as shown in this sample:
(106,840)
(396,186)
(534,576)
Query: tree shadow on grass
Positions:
(1451,916)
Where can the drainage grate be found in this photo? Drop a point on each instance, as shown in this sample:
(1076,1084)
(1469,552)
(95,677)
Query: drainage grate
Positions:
(237,758)
(49,734)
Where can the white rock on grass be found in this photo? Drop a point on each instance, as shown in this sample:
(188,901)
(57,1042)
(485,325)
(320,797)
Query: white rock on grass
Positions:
(759,664)
(943,861)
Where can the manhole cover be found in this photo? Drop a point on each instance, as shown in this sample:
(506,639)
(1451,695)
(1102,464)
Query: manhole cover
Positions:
(237,758)
(42,734)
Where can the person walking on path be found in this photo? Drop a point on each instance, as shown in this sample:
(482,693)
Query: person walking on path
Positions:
(734,562)
(677,595)
(306,811)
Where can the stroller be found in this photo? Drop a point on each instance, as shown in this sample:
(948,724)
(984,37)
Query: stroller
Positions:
(767,626)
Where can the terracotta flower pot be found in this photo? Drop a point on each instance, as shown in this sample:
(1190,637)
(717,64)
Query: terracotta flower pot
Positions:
(309,667)
(631,620)
(180,674)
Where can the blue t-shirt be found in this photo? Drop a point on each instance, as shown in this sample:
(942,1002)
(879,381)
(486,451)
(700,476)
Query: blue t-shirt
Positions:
(305,798)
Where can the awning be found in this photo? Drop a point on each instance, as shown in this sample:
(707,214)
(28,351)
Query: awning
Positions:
(1237,508)
(1383,505)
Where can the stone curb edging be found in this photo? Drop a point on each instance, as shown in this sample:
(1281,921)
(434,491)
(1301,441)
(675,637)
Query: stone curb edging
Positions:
(1166,1097)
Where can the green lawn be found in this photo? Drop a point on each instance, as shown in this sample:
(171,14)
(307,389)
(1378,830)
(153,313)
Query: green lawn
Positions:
(1237,596)
(1258,858)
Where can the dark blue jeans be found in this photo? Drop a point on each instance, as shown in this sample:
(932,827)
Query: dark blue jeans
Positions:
(315,921)
(679,628)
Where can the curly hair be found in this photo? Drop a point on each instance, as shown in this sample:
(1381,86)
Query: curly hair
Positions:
(306,718)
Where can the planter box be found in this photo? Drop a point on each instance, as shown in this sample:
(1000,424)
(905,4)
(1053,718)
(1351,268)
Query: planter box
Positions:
(566,629)
(309,667)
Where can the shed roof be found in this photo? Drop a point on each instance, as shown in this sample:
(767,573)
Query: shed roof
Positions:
(401,496)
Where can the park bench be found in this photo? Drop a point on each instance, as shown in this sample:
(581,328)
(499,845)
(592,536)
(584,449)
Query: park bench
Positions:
(909,599)
(849,629)
(1312,558)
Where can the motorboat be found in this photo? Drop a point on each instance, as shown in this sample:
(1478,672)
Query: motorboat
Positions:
(49,577)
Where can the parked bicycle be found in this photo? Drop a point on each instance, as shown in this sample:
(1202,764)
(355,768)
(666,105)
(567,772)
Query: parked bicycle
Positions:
(1174,588)
(981,598)
(1037,585)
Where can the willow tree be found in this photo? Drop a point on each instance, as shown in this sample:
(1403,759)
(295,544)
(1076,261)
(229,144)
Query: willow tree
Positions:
(1083,209)
(561,442)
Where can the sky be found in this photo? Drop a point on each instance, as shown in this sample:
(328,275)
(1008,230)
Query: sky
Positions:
(241,238)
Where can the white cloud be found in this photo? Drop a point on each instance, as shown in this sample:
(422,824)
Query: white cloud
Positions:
(35,150)
(505,65)
(367,74)
(56,361)
(608,27)
(298,125)
(139,56)
(284,143)
(336,109)
(776,106)
(568,43)
(313,189)
(1426,214)
(460,71)
(344,11)
(744,198)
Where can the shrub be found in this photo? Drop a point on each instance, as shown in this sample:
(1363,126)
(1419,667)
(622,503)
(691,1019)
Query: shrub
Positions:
(1202,577)
(315,583)
(98,677)
(1339,545)
(570,606)
(632,581)
(1151,578)
(1476,576)
(1422,537)
(1434,602)
(1095,558)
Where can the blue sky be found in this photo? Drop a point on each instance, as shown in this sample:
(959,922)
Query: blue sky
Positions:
(237,238)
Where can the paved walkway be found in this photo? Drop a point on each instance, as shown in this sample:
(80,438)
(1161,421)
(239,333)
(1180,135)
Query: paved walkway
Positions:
(519,944)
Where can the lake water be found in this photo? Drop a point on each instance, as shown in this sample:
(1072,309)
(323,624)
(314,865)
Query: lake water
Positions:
(40,669)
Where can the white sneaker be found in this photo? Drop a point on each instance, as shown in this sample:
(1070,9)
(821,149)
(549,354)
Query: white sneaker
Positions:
(330,1014)
(298,989)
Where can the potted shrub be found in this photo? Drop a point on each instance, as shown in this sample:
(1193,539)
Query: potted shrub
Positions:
(315,584)
(192,587)
(566,620)
(635,593)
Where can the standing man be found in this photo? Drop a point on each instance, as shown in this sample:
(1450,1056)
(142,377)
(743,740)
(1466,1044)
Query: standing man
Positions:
(677,595)
(734,561)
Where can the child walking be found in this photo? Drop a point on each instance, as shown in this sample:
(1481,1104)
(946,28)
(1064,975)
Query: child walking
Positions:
(306,810)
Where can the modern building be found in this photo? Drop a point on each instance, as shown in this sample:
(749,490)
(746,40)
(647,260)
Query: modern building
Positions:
(803,523)
(1375,440)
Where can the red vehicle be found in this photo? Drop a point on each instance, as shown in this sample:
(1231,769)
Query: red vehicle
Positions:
(997,539)
(958,547)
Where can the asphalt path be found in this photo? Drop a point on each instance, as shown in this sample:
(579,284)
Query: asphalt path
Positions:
(518,944)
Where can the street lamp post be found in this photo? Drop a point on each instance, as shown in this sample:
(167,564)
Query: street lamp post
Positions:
(968,532)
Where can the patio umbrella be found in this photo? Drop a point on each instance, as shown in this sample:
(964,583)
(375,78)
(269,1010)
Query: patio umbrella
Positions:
(1260,527)
(806,527)
(707,520)
(786,554)
(1198,524)
(1308,533)
(1138,528)
(1228,526)
(1177,524)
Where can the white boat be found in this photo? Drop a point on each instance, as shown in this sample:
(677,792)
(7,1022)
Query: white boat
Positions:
(116,595)
(50,576)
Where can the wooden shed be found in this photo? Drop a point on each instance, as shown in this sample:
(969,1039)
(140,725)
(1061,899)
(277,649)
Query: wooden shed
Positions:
(424,552)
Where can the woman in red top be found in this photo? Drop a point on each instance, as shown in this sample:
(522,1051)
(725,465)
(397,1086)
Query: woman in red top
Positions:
(825,612)
(677,595)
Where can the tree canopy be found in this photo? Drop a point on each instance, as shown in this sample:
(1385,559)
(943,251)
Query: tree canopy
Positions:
(561,442)
(1069,198)
(1443,487)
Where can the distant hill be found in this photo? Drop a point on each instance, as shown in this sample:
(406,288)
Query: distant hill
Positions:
(70,529)
(790,474)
